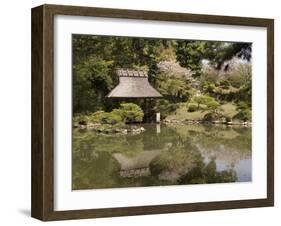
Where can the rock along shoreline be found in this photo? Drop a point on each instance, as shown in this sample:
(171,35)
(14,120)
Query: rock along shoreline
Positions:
(190,121)
(134,129)
(111,130)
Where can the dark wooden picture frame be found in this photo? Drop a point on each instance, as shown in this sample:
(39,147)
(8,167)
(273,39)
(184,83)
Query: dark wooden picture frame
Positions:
(42,203)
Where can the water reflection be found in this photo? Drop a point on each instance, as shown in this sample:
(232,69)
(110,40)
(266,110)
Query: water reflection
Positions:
(172,154)
(136,166)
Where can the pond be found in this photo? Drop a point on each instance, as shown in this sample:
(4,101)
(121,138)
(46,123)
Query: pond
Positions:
(162,155)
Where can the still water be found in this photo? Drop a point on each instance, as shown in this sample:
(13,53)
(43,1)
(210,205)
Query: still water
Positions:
(162,155)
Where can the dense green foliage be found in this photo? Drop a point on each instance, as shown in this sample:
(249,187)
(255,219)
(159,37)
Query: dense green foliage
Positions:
(192,107)
(191,53)
(91,82)
(95,59)
(207,74)
(127,113)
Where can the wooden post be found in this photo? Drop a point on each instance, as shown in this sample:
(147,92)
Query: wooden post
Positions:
(158,117)
(145,109)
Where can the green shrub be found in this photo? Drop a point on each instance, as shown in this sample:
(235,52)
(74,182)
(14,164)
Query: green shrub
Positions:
(165,107)
(212,116)
(244,115)
(161,105)
(173,89)
(192,107)
(243,105)
(203,107)
(129,113)
(133,116)
(202,99)
(224,84)
(80,119)
(96,117)
(172,107)
(206,102)
(105,117)
(208,87)
(236,80)
(209,75)
(244,111)
(110,118)
(212,105)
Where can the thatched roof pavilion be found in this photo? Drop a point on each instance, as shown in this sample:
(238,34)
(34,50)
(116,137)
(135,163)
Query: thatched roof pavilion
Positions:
(133,84)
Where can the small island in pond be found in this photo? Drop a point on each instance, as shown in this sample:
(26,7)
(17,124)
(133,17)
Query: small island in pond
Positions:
(150,112)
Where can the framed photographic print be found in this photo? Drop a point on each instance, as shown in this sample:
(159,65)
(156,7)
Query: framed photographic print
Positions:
(141,112)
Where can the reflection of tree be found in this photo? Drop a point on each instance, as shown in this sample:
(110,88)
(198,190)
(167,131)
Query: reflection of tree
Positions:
(224,143)
(89,142)
(216,143)
(227,145)
(100,172)
(203,173)
(172,164)
(187,166)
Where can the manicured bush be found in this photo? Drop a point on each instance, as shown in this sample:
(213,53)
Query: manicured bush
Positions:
(165,107)
(212,116)
(212,105)
(202,99)
(129,112)
(208,87)
(244,115)
(243,105)
(244,111)
(172,107)
(209,75)
(130,107)
(192,107)
(224,84)
(206,102)
(80,119)
(104,117)
(96,117)
(110,118)
(236,80)
(173,89)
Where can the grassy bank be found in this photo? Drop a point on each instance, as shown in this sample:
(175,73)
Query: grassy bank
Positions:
(227,113)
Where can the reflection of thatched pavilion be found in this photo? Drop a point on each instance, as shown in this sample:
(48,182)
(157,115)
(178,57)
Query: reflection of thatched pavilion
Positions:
(133,84)
(138,165)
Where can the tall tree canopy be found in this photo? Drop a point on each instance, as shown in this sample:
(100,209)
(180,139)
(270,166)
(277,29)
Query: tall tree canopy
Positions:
(191,53)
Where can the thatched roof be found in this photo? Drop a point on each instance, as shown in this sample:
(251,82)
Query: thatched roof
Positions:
(133,84)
